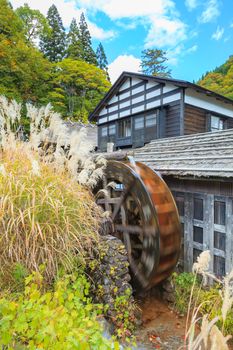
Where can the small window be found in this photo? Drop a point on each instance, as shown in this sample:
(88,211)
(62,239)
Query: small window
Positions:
(219,266)
(151,120)
(219,213)
(217,123)
(198,209)
(104,131)
(196,253)
(220,240)
(198,234)
(124,128)
(112,129)
(139,123)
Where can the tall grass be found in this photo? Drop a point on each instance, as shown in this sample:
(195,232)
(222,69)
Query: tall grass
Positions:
(210,337)
(45,216)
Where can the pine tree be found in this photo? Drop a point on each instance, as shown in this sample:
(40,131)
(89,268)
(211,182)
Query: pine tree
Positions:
(102,61)
(53,43)
(152,63)
(88,53)
(74,49)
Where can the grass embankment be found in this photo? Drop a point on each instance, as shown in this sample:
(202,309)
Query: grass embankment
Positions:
(48,226)
(45,216)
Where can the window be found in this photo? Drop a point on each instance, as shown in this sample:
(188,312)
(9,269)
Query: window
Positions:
(104,131)
(124,128)
(112,129)
(220,240)
(219,266)
(217,123)
(151,120)
(198,209)
(219,213)
(198,234)
(139,123)
(196,253)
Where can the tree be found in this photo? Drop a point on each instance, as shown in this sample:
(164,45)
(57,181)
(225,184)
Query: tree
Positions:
(102,59)
(10,25)
(88,53)
(74,49)
(53,43)
(152,63)
(78,87)
(24,72)
(34,23)
(220,79)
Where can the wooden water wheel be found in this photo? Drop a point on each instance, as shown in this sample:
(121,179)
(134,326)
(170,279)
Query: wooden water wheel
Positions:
(143,214)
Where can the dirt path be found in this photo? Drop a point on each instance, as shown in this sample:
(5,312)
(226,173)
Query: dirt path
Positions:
(161,327)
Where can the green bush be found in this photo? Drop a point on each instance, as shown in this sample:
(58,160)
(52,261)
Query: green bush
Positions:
(63,318)
(183,283)
(208,299)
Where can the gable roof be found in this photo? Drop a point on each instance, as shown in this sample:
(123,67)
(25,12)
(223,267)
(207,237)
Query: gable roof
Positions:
(179,83)
(198,155)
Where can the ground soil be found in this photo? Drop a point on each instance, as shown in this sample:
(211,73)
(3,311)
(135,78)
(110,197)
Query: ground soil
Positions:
(161,328)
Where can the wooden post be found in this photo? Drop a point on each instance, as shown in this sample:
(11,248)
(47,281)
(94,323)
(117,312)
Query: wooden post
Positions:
(188,232)
(208,231)
(229,235)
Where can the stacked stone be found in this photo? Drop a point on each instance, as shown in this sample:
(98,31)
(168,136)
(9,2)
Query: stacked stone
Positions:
(111,278)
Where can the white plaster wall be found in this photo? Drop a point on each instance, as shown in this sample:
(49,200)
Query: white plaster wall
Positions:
(138,99)
(153,104)
(125,85)
(171,98)
(169,87)
(207,102)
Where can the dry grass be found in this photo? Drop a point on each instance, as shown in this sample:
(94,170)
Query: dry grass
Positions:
(210,337)
(45,216)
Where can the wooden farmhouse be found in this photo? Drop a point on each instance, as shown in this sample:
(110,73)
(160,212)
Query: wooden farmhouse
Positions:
(180,130)
(140,108)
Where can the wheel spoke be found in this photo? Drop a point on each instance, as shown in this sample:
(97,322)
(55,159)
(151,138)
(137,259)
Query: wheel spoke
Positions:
(135,229)
(122,199)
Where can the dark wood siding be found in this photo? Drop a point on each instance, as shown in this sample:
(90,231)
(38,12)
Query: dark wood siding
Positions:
(229,123)
(220,188)
(194,120)
(172,123)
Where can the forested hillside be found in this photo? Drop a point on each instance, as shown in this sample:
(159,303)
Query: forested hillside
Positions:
(41,62)
(220,79)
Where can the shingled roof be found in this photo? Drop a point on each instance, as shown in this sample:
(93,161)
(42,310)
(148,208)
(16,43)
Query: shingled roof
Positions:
(200,155)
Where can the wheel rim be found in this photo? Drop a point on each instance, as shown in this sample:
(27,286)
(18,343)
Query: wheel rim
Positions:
(133,217)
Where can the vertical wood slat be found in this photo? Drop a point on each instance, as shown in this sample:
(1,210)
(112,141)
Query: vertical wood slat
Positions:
(229,235)
(208,239)
(188,232)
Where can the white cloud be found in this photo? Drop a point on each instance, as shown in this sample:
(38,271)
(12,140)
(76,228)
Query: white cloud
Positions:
(117,9)
(192,49)
(211,11)
(68,10)
(165,32)
(123,63)
(191,4)
(165,28)
(218,34)
(231,25)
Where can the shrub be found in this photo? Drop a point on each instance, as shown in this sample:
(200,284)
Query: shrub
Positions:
(45,216)
(183,284)
(63,318)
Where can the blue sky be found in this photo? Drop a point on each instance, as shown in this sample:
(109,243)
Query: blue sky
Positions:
(197,34)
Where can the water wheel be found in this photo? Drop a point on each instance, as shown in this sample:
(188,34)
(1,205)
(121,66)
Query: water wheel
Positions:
(142,213)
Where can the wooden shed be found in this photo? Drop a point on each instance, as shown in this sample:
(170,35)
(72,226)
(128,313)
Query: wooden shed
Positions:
(199,171)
